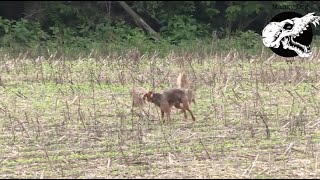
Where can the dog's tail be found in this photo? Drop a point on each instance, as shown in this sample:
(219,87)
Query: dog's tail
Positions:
(182,81)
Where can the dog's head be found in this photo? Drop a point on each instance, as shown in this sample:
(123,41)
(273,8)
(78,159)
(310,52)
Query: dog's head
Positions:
(148,96)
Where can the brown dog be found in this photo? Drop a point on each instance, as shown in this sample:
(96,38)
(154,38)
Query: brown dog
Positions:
(183,83)
(167,99)
(137,96)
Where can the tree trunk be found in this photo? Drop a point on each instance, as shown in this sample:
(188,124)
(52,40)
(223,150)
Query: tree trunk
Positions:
(243,26)
(229,28)
(139,20)
(229,23)
(31,8)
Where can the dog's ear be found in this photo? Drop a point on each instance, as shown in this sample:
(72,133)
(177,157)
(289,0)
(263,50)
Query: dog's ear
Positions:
(144,96)
(147,95)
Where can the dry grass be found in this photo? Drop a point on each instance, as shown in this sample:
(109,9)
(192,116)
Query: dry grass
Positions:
(256,118)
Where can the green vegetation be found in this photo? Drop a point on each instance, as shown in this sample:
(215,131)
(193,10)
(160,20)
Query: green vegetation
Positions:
(79,27)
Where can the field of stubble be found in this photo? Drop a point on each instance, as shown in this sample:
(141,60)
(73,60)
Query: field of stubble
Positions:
(256,117)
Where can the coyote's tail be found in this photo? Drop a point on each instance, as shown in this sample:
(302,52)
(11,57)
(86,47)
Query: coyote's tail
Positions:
(183,81)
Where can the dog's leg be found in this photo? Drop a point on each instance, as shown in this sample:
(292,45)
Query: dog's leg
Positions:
(186,107)
(178,106)
(162,115)
(193,118)
(183,110)
(168,117)
(132,104)
(185,114)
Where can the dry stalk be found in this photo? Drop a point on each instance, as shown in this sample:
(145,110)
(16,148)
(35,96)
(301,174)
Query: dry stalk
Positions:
(120,141)
(80,114)
(204,147)
(264,120)
(288,149)
(253,164)
(12,128)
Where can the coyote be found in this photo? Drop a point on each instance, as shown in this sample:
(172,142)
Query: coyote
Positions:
(172,97)
(137,96)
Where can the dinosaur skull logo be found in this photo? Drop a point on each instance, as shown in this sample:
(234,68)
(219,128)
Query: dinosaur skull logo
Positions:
(290,34)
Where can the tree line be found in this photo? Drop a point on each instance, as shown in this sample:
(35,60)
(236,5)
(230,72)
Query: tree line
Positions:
(84,24)
(227,17)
